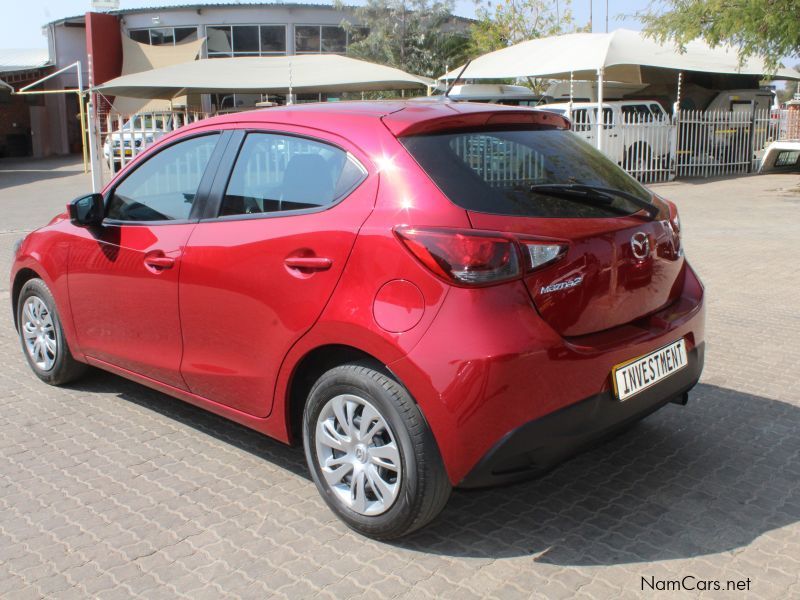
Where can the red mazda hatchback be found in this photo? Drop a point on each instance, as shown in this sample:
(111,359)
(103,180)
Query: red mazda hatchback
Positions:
(426,294)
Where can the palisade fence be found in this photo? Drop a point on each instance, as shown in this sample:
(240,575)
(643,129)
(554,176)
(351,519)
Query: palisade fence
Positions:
(123,137)
(691,143)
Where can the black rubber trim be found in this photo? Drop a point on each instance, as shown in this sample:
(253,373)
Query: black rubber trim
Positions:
(539,445)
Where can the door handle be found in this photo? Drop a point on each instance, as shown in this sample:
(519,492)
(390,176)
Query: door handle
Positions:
(159,263)
(308,263)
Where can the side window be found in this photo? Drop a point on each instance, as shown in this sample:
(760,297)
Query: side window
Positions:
(658,112)
(277,173)
(163,188)
(580,120)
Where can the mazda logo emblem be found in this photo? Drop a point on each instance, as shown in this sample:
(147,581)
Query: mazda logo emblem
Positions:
(640,245)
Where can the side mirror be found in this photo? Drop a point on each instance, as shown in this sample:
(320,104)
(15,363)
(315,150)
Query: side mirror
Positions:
(87,210)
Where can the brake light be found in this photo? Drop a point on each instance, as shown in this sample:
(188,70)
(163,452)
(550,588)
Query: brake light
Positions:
(476,258)
(675,225)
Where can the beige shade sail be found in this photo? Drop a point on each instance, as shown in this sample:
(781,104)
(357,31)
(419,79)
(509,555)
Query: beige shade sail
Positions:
(620,54)
(137,58)
(272,74)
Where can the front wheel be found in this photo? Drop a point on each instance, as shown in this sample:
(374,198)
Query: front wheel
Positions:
(371,453)
(42,336)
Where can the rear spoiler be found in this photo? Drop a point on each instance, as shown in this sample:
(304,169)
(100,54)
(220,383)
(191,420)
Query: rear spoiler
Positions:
(407,121)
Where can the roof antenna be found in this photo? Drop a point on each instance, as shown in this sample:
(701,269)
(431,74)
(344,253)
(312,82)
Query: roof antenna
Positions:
(455,81)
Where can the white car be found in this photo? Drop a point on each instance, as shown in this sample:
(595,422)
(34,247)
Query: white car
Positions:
(636,133)
(134,136)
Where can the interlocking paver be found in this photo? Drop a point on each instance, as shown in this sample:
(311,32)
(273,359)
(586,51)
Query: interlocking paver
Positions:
(109,489)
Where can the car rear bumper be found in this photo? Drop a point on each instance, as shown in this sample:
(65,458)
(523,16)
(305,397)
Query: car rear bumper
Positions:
(538,445)
(489,366)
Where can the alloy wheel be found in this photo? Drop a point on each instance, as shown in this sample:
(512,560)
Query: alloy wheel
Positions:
(39,333)
(358,455)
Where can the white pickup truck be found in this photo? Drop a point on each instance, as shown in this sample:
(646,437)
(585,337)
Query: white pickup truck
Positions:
(636,133)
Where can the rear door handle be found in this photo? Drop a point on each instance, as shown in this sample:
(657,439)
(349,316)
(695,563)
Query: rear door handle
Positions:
(308,263)
(159,263)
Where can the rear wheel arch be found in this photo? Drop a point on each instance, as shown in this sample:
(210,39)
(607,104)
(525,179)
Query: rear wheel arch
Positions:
(312,366)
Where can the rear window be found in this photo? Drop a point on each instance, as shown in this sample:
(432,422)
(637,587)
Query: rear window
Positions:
(494,171)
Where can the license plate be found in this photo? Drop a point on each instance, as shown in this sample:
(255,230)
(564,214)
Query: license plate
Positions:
(638,374)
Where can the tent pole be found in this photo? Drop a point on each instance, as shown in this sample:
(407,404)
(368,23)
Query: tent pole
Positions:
(84,140)
(290,98)
(94,159)
(571,91)
(599,117)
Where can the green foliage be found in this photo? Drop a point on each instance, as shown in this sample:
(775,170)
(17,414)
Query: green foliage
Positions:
(503,23)
(417,36)
(769,28)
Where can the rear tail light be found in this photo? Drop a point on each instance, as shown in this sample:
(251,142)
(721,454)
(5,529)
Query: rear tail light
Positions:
(475,258)
(675,225)
(540,254)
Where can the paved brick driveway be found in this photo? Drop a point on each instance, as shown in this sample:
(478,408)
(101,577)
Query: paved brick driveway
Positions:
(108,489)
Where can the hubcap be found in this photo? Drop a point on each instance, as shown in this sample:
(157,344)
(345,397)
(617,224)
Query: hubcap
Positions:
(39,333)
(358,455)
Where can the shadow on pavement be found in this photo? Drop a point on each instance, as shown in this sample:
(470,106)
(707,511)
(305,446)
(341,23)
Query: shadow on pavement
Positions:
(706,478)
(702,479)
(289,458)
(12,178)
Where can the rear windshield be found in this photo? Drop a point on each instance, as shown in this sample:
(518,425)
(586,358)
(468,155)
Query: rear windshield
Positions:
(494,172)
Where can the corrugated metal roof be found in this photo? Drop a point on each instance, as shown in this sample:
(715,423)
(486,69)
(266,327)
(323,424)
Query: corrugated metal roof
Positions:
(23,59)
(130,11)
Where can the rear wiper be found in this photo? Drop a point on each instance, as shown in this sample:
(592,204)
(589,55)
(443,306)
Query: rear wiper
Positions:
(600,194)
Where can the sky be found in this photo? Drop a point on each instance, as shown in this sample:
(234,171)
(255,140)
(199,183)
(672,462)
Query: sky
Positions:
(23,19)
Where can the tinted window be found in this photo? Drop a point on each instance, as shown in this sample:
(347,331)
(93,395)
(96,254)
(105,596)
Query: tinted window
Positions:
(334,39)
(185,34)
(141,35)
(161,37)
(163,187)
(636,113)
(273,39)
(306,38)
(246,39)
(276,173)
(493,171)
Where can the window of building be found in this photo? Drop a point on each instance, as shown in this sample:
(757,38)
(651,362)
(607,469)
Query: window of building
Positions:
(161,36)
(334,39)
(309,39)
(245,40)
(306,38)
(273,39)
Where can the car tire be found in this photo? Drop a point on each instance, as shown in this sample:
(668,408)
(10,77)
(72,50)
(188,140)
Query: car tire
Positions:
(42,337)
(398,482)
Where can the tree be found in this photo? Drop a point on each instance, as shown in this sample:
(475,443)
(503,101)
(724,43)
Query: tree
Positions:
(507,22)
(418,36)
(770,28)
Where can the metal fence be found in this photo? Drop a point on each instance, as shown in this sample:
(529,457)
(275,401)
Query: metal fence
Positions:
(123,137)
(649,146)
(688,144)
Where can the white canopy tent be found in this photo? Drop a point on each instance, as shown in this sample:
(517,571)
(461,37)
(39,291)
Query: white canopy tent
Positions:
(615,56)
(273,74)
